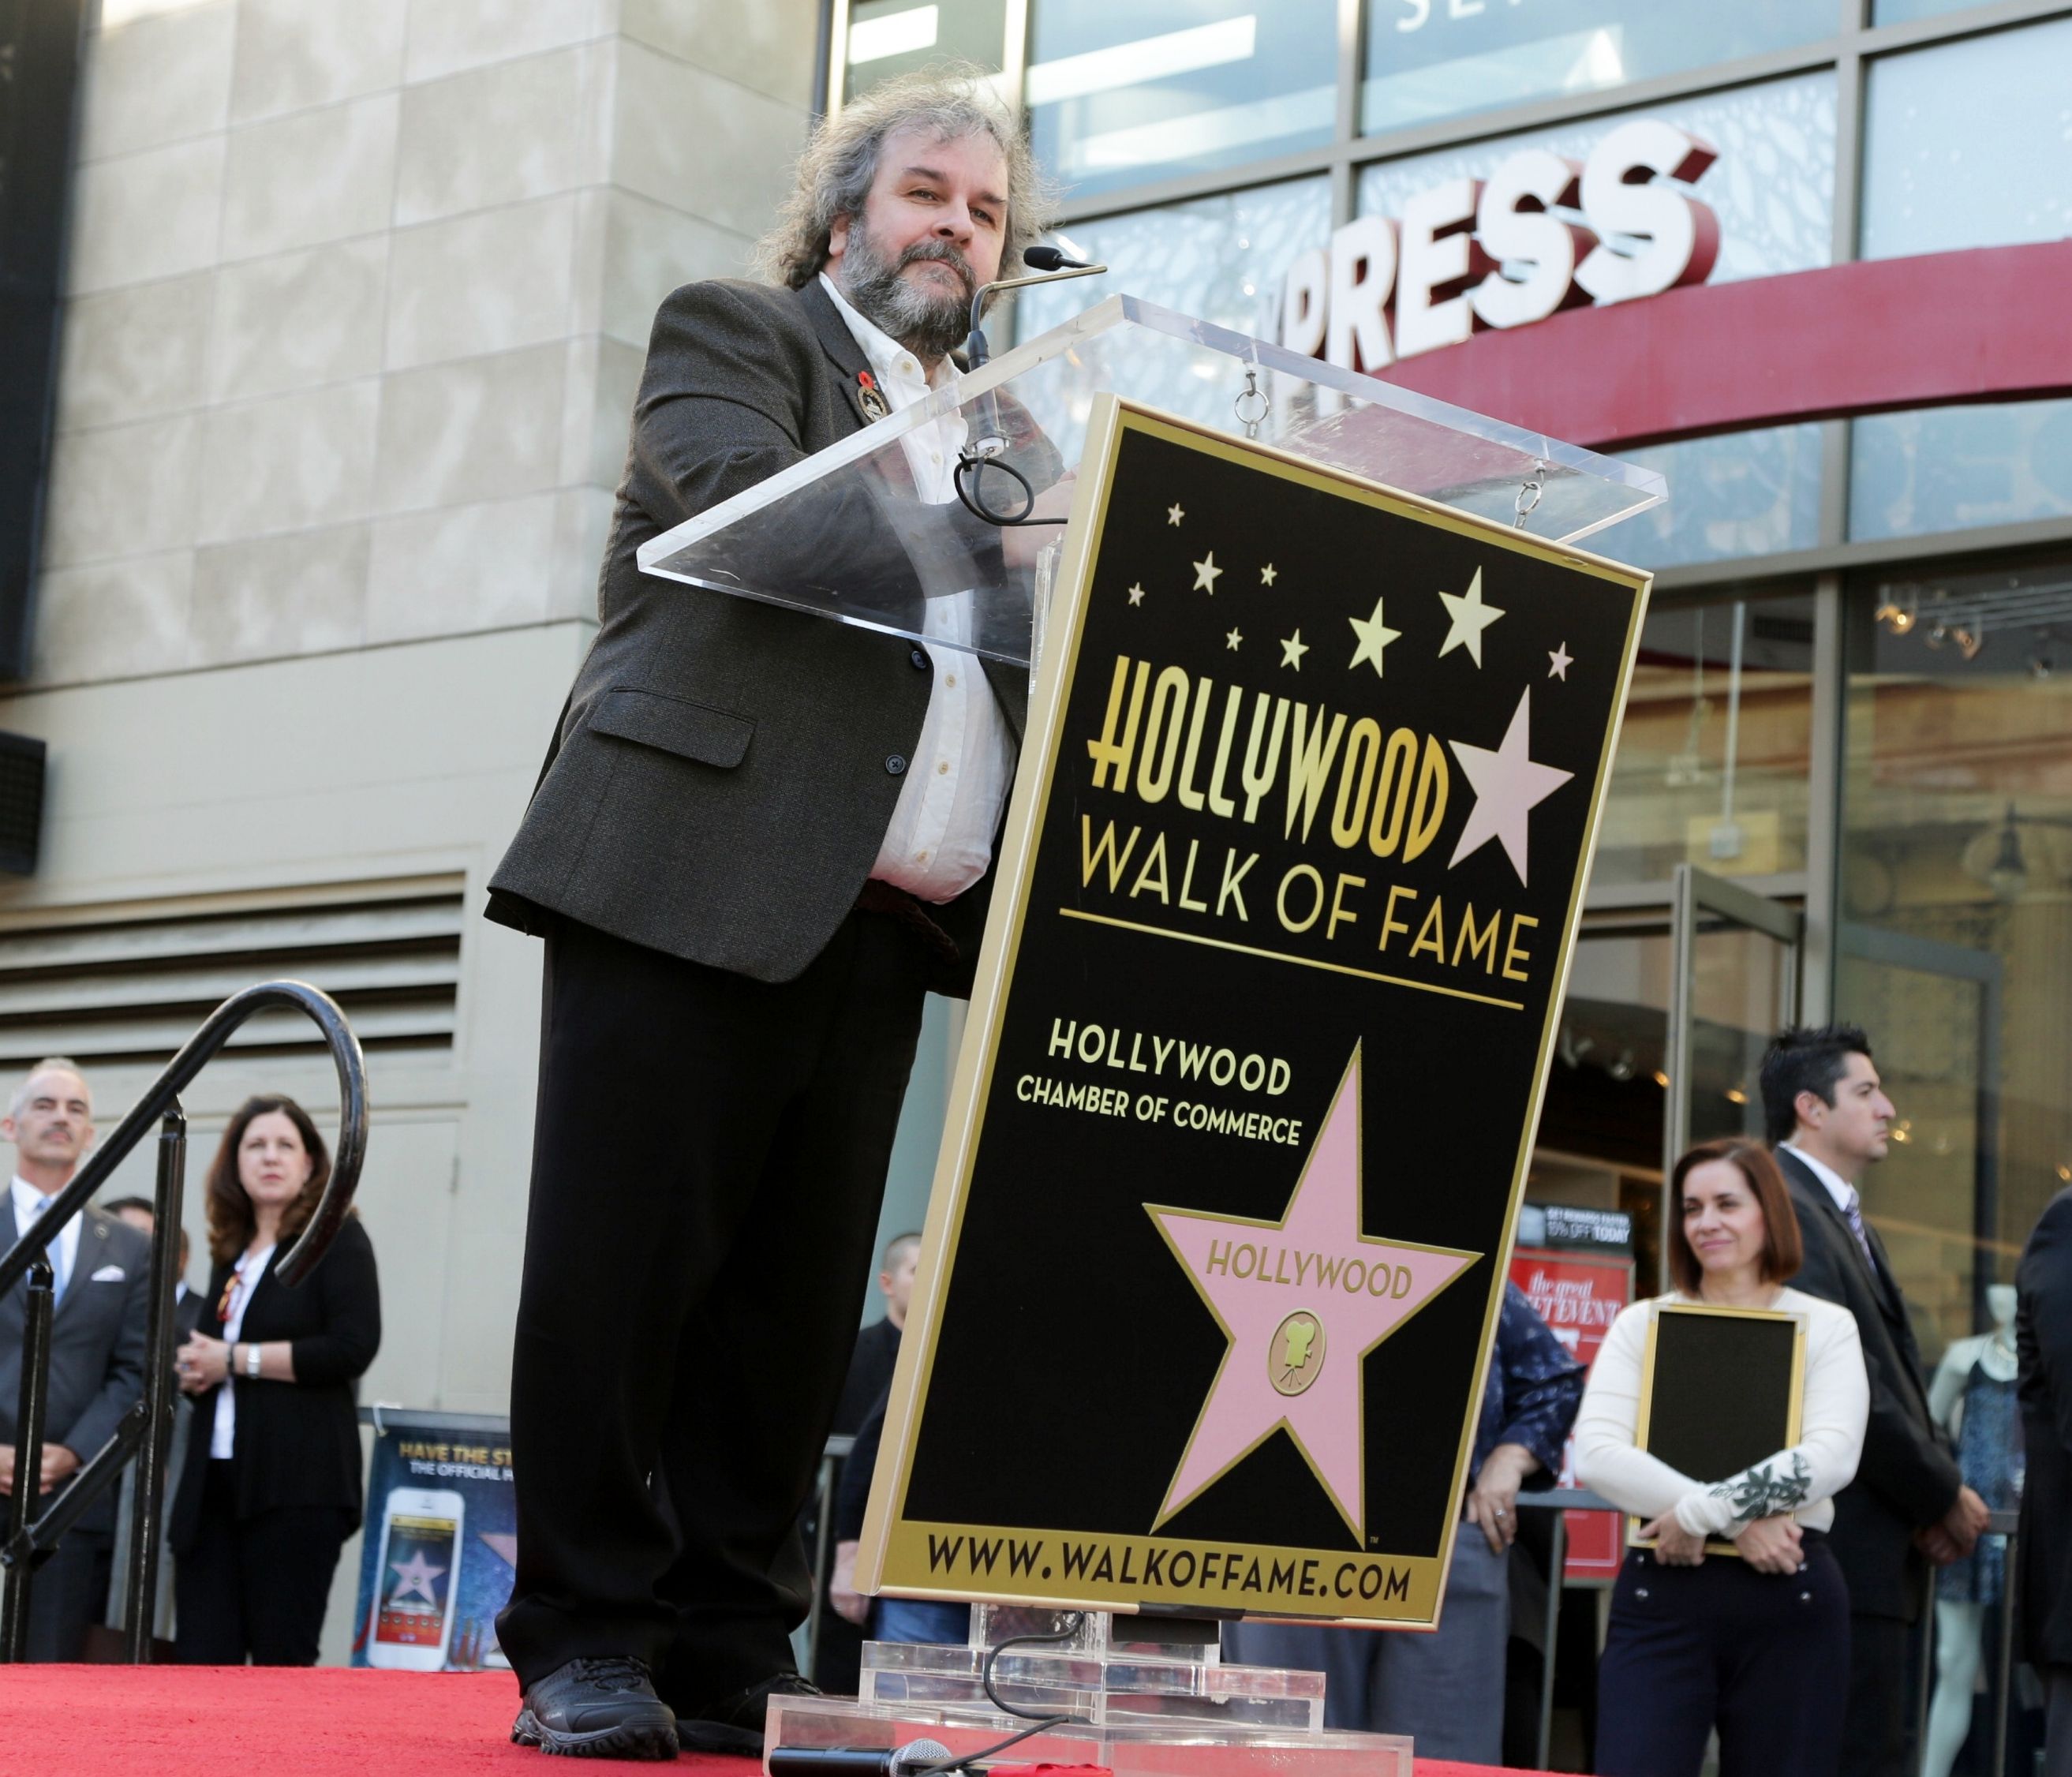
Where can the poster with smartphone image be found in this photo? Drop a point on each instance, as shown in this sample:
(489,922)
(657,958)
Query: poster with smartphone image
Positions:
(436,1557)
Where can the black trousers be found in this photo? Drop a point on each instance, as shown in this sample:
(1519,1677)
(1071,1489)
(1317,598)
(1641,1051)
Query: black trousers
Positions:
(708,1162)
(254,1587)
(1764,1657)
(1879,1671)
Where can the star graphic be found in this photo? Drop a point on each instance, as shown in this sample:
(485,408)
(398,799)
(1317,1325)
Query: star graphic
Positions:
(1232,640)
(1266,575)
(1137,595)
(1560,661)
(1373,636)
(414,1575)
(1206,574)
(1174,515)
(1298,1302)
(1470,617)
(1507,783)
(1292,648)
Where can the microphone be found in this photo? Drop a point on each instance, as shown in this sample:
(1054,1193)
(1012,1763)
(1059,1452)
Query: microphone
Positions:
(1050,266)
(855,1761)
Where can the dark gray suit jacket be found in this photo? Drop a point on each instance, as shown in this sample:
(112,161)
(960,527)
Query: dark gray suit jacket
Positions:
(96,1344)
(725,771)
(1906,1477)
(2043,1338)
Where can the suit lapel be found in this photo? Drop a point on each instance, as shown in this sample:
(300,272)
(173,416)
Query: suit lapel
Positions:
(843,350)
(93,1254)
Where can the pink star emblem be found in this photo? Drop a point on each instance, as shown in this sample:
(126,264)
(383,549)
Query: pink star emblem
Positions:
(1302,1301)
(414,1575)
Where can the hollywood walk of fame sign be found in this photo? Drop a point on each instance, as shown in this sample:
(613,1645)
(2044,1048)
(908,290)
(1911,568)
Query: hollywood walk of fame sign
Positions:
(1275,956)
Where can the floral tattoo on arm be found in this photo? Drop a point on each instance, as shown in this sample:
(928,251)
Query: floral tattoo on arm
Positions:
(1762,1492)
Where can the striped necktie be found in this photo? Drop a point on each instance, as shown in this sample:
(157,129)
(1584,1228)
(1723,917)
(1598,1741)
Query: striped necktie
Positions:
(1852,1206)
(60,1272)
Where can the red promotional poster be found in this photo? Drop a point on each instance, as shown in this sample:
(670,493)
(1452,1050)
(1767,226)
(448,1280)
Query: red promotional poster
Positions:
(1578,1294)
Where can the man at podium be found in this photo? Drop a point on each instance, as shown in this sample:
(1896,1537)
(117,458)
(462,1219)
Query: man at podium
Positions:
(760,838)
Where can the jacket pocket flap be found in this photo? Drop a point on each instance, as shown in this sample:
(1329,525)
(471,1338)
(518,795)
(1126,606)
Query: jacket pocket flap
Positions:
(690,730)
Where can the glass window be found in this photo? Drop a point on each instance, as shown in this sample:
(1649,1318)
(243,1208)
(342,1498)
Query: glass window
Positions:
(890,37)
(1218,258)
(1934,179)
(1773,189)
(1954,945)
(1122,91)
(1946,468)
(1430,59)
(1900,12)
(1715,748)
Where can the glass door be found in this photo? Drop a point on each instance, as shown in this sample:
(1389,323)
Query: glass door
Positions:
(1733,984)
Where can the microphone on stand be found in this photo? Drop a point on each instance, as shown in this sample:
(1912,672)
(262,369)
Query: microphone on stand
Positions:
(855,1761)
(989,442)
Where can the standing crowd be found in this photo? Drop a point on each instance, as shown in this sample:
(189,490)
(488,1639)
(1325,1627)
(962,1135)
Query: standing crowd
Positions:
(265,1484)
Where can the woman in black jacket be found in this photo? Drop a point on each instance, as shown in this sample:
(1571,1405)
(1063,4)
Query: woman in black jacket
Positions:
(272,1490)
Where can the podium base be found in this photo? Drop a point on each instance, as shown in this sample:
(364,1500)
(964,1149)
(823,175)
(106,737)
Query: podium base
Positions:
(1151,1699)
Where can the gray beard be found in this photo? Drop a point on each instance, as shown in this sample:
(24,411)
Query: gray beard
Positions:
(929,324)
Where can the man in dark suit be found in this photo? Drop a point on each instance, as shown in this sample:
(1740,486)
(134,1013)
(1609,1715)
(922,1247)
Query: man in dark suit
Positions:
(760,838)
(1827,1116)
(141,1214)
(2043,1340)
(101,1271)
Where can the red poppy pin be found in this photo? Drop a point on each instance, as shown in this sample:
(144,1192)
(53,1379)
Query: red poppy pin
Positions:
(872,398)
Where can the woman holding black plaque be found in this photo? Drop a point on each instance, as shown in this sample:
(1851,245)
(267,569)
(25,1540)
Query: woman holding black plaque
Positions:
(1755,1642)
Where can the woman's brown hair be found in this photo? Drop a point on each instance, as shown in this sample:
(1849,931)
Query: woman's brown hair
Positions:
(1782,1250)
(231,1222)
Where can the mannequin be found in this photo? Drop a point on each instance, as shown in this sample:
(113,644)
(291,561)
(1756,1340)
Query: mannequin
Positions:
(1974,1380)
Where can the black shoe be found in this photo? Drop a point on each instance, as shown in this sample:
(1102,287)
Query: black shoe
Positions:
(735,1724)
(597,1708)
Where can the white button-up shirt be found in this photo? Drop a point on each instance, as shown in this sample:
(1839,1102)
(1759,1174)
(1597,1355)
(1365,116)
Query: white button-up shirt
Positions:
(64,1252)
(244,1278)
(940,839)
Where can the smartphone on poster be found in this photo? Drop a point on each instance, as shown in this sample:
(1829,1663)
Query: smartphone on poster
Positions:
(414,1592)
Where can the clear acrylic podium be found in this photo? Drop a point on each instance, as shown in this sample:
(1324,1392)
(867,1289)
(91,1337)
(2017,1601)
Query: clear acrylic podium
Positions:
(870,533)
(849,534)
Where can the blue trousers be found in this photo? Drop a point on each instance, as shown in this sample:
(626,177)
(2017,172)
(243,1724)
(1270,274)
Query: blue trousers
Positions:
(920,1620)
(1444,1689)
(1763,1657)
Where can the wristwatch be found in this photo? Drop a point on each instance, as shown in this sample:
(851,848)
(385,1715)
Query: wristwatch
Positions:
(252,1362)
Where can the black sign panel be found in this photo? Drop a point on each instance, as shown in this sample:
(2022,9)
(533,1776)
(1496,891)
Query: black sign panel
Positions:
(1298,845)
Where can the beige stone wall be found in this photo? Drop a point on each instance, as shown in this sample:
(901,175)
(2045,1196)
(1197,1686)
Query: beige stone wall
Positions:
(358,292)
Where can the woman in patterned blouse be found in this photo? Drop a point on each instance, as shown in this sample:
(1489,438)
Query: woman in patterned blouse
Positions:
(1756,1646)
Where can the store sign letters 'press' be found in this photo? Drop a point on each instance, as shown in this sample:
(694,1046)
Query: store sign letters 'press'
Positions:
(1472,253)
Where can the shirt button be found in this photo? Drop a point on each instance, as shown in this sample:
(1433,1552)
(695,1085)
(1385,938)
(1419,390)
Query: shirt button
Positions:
(896,763)
(934,456)
(920,858)
(943,767)
(950,680)
(919,657)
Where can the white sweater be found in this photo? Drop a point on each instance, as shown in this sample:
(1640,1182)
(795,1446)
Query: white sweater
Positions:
(1801,1480)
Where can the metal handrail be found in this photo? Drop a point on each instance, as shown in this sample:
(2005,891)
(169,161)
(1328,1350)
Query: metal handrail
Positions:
(146,1429)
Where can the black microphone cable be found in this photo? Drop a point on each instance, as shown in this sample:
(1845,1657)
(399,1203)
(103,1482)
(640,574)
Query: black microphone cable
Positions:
(1037,1722)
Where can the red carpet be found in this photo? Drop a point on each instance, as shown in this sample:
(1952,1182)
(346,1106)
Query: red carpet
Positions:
(217,1721)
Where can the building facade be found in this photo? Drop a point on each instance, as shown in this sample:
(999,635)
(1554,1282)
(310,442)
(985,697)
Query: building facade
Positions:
(355,300)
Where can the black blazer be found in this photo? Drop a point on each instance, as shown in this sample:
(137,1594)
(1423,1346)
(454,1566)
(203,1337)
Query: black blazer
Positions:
(2043,1337)
(297,1442)
(725,771)
(1906,1478)
(96,1342)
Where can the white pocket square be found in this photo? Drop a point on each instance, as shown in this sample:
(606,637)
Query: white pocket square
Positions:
(108,1273)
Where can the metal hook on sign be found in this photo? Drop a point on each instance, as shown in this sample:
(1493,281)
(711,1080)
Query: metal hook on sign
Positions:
(1529,492)
(1252,404)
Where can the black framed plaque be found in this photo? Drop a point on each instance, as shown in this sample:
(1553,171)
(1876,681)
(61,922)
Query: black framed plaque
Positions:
(1242,1110)
(1720,1389)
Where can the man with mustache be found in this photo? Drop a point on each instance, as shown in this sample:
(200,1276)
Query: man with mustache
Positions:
(761,838)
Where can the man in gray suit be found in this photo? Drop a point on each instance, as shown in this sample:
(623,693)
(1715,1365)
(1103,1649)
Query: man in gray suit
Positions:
(760,838)
(1826,1110)
(101,1272)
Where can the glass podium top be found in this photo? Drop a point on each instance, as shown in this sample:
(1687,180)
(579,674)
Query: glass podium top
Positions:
(873,531)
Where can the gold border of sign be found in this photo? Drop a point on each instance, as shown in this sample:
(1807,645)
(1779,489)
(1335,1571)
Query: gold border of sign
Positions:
(884,1522)
(1795,1410)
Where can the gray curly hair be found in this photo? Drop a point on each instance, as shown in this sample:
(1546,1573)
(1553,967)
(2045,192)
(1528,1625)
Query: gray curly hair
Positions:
(949,101)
